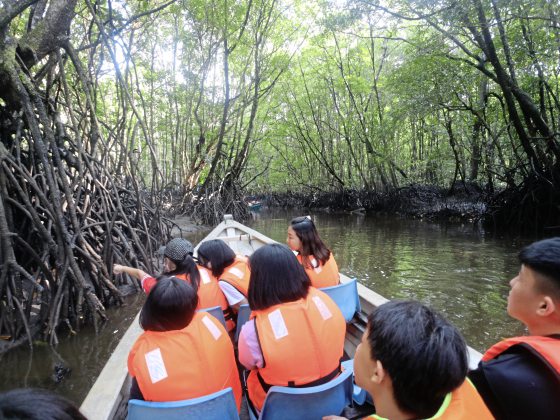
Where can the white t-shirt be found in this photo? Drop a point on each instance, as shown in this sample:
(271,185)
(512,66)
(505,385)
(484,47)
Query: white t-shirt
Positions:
(232,295)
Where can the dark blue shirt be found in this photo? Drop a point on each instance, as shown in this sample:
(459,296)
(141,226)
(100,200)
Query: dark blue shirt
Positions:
(518,385)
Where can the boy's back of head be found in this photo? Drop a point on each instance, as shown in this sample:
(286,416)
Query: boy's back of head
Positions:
(425,355)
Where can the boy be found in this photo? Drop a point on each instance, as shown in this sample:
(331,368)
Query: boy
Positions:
(520,377)
(414,364)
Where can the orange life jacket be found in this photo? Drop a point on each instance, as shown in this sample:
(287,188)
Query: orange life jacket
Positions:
(464,403)
(321,275)
(210,294)
(546,349)
(182,364)
(301,343)
(238,275)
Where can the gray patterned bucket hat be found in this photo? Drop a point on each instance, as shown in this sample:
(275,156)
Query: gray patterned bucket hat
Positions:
(177,249)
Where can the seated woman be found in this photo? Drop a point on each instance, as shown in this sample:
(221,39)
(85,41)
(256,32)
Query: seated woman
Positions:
(231,270)
(296,334)
(178,262)
(182,354)
(312,253)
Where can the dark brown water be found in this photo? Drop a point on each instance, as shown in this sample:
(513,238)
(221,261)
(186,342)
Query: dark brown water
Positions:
(460,270)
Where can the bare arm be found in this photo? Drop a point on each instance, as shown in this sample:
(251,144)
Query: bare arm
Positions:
(131,271)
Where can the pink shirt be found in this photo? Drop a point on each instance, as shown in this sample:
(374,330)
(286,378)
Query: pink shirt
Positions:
(250,354)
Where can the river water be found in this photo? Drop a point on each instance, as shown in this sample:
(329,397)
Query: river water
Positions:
(458,269)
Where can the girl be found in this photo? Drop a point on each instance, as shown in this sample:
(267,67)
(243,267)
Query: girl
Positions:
(311,252)
(182,354)
(296,334)
(231,270)
(178,262)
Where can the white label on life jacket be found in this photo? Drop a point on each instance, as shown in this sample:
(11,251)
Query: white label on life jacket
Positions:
(156,367)
(204,276)
(325,312)
(215,331)
(236,272)
(278,325)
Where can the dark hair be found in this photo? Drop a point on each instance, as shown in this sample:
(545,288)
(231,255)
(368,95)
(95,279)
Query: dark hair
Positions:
(276,277)
(218,253)
(425,355)
(37,404)
(170,305)
(310,240)
(544,258)
(188,267)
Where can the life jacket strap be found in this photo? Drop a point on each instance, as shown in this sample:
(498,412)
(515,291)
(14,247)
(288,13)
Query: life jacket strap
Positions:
(228,313)
(266,386)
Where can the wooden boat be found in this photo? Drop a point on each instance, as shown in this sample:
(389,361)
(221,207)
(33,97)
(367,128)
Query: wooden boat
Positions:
(108,397)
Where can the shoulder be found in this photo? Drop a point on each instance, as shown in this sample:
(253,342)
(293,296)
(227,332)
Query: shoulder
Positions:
(140,342)
(517,382)
(148,282)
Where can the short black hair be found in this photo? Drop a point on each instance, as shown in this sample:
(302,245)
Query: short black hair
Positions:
(218,253)
(311,242)
(544,258)
(276,277)
(37,404)
(425,355)
(170,305)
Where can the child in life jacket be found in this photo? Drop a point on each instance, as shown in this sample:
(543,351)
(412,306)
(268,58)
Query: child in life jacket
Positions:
(182,354)
(312,253)
(229,269)
(178,262)
(414,364)
(519,377)
(295,336)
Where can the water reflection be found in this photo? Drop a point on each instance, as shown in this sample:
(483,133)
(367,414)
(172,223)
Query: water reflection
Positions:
(83,354)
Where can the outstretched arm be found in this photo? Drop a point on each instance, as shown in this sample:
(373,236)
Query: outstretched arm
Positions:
(131,271)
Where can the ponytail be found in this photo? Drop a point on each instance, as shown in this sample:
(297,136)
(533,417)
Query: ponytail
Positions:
(189,267)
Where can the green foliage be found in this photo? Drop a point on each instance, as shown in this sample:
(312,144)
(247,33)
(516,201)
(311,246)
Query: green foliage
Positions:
(334,94)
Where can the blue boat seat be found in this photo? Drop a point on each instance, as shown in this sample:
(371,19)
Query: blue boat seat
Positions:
(310,403)
(345,295)
(217,406)
(359,395)
(242,317)
(217,313)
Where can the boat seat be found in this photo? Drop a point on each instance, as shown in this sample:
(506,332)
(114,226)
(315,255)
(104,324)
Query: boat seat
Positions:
(217,406)
(359,395)
(311,403)
(217,313)
(242,317)
(345,295)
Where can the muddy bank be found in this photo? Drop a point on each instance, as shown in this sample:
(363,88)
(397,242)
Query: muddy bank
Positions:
(464,203)
(184,225)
